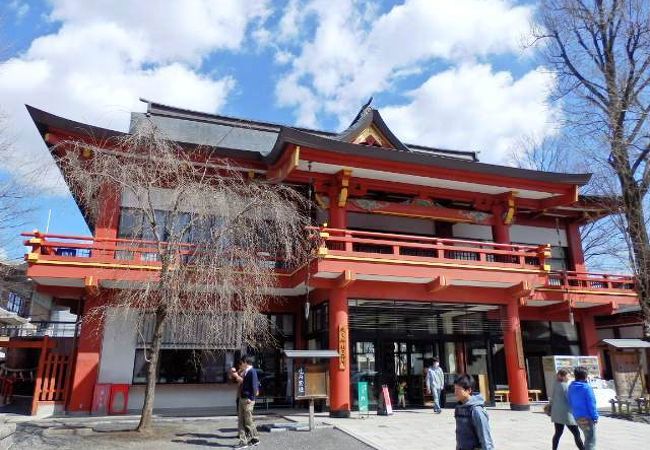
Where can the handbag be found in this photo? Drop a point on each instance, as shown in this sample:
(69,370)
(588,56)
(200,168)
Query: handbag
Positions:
(547,409)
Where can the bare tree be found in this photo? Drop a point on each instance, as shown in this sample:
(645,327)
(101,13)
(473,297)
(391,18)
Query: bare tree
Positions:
(600,51)
(601,237)
(215,234)
(16,195)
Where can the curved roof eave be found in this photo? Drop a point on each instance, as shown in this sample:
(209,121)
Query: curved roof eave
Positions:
(293,136)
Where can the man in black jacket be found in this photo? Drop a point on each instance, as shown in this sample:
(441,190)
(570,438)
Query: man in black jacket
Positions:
(247,429)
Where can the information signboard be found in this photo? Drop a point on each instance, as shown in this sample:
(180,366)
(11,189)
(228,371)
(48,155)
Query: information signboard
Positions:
(363,396)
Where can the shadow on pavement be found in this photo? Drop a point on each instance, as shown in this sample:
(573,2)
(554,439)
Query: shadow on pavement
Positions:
(208,439)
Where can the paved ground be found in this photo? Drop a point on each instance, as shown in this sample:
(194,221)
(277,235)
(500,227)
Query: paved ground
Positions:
(409,429)
(421,429)
(181,434)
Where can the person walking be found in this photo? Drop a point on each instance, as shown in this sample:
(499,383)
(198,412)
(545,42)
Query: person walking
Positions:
(435,383)
(247,430)
(560,411)
(401,394)
(583,406)
(472,421)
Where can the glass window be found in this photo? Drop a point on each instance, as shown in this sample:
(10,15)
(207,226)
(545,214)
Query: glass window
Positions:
(179,226)
(160,217)
(564,330)
(635,332)
(184,366)
(15,303)
(536,330)
(130,223)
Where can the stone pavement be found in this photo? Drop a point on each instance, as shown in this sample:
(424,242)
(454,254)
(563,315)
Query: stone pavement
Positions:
(173,433)
(511,430)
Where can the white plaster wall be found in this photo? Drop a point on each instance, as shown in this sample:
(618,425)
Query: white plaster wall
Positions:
(524,234)
(118,349)
(472,231)
(180,396)
(391,224)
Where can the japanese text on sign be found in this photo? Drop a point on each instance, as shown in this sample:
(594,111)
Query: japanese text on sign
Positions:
(343,346)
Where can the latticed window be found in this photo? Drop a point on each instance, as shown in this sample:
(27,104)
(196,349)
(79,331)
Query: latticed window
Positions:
(15,303)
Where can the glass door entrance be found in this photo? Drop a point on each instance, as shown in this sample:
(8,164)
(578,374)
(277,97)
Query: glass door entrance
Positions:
(393,342)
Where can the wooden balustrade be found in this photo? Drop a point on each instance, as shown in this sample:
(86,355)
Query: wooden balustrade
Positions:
(339,241)
(568,280)
(345,242)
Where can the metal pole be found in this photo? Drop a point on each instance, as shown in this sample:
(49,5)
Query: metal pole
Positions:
(311,415)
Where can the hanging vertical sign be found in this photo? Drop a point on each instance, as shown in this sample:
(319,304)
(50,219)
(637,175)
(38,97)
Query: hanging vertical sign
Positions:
(301,386)
(363,396)
(343,346)
(520,349)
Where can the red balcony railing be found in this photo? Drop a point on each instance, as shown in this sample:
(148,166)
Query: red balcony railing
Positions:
(583,281)
(127,252)
(344,242)
(399,246)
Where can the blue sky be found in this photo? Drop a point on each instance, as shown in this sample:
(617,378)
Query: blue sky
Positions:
(448,74)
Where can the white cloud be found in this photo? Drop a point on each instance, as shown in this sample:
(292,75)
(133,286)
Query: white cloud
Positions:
(173,31)
(109,53)
(474,108)
(340,53)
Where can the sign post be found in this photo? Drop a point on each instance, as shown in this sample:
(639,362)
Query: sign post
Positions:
(362,389)
(311,381)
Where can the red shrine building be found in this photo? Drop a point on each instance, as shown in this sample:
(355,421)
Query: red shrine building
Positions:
(425,253)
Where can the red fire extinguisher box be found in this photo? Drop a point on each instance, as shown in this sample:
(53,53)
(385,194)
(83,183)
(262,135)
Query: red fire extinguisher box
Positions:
(119,399)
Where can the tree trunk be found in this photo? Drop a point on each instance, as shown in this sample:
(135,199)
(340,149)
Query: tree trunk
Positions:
(152,370)
(640,243)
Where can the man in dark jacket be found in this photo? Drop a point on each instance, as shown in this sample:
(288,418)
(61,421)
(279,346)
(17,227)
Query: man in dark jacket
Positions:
(472,422)
(583,406)
(247,429)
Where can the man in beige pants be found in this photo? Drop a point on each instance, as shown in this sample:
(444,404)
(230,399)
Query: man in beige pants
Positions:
(247,392)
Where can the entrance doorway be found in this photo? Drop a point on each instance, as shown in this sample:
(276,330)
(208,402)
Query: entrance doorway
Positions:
(396,341)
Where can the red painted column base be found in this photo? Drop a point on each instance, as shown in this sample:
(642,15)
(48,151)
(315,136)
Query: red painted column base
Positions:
(339,377)
(86,362)
(515,366)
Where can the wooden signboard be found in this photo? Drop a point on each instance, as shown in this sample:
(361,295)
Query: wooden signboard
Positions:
(311,382)
(628,378)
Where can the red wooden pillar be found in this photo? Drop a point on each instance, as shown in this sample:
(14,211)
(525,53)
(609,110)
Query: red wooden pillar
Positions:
(500,231)
(339,340)
(107,221)
(588,335)
(86,365)
(514,352)
(337,217)
(575,247)
(109,216)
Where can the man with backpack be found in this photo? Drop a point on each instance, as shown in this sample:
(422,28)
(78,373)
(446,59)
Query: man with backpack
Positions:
(472,422)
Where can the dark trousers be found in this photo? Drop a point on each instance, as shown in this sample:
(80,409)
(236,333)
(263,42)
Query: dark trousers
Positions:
(559,429)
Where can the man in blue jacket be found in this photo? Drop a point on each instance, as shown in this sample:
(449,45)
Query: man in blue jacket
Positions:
(247,431)
(583,406)
(472,422)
